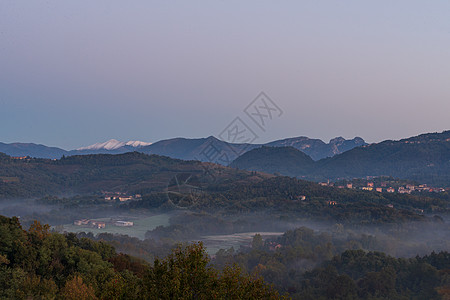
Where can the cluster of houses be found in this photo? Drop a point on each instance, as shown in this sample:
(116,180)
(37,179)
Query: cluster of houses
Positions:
(102,224)
(122,197)
(405,189)
(90,223)
(20,157)
(383,187)
(408,189)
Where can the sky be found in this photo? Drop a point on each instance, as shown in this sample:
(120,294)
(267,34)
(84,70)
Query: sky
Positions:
(73,73)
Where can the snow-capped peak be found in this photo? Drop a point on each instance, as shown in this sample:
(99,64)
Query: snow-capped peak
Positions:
(109,145)
(114,144)
(137,144)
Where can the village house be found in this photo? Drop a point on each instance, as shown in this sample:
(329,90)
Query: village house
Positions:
(403,190)
(410,187)
(125,198)
(378,189)
(123,223)
(81,222)
(273,246)
(98,224)
(391,190)
(301,198)
(122,197)
(423,188)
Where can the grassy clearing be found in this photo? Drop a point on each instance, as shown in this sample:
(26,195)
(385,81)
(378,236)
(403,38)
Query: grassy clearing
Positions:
(141,226)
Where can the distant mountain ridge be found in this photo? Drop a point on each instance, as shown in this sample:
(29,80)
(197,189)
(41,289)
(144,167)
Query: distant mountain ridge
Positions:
(194,149)
(425,158)
(317,149)
(42,151)
(30,149)
(186,149)
(114,144)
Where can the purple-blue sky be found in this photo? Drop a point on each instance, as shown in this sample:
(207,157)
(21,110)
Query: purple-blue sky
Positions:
(73,73)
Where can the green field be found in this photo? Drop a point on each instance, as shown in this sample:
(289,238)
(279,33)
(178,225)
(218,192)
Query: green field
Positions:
(141,226)
(144,223)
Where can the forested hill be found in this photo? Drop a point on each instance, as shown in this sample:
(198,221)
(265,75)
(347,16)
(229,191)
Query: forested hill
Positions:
(130,172)
(284,160)
(424,158)
(164,181)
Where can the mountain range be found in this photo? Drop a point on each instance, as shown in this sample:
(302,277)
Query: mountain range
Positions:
(42,151)
(114,144)
(186,149)
(425,158)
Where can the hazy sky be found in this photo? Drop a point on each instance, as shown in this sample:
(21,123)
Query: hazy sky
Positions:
(73,73)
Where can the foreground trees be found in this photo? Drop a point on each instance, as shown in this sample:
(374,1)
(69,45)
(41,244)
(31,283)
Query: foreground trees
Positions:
(36,264)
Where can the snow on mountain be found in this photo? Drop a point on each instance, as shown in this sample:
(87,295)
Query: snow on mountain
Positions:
(137,144)
(114,144)
(109,145)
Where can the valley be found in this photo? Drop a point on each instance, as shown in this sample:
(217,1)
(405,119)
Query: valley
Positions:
(249,213)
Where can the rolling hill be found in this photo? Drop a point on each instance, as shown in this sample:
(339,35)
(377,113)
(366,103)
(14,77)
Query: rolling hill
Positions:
(131,172)
(33,150)
(425,158)
(283,160)
(168,183)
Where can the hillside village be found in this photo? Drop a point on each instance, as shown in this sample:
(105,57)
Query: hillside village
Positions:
(385,185)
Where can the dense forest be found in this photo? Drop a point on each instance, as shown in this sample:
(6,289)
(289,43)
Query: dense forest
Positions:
(287,161)
(37,264)
(341,264)
(277,198)
(295,198)
(312,265)
(87,174)
(301,264)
